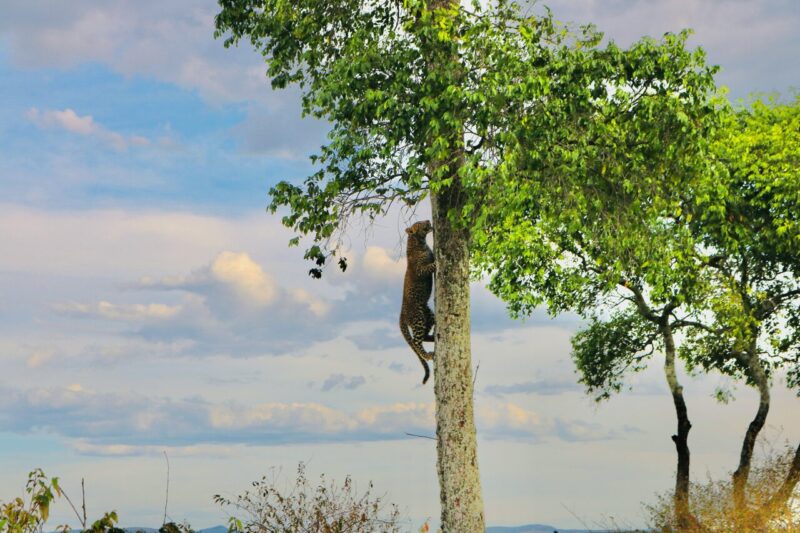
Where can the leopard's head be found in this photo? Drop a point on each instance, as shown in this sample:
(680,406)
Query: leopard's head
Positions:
(420,229)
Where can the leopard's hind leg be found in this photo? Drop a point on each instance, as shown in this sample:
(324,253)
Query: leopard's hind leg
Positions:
(419,333)
(430,322)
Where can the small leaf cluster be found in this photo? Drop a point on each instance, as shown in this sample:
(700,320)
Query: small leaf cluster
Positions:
(607,350)
(28,515)
(21,516)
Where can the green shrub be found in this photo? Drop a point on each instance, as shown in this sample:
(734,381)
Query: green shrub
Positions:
(326,508)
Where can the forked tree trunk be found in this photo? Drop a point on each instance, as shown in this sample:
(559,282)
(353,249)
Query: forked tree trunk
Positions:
(683,516)
(457,457)
(742,473)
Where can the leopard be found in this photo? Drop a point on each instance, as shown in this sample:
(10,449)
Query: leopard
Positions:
(416,318)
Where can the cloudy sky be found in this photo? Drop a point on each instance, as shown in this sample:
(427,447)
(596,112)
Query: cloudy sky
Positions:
(148,304)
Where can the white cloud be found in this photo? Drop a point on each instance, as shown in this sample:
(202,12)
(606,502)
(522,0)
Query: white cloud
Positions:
(237,276)
(168,41)
(245,277)
(204,451)
(752,40)
(380,265)
(103,309)
(293,417)
(511,419)
(234,306)
(316,305)
(133,37)
(397,416)
(39,358)
(340,381)
(132,419)
(68,120)
(131,244)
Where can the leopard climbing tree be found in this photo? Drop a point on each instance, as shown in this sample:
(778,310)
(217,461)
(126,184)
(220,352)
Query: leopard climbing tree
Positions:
(416,317)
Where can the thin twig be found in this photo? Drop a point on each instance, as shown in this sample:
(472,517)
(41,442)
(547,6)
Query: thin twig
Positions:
(83,502)
(166,497)
(420,436)
(77,514)
(575,516)
(475,376)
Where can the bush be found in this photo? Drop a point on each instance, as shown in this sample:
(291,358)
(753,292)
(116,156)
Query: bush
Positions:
(711,502)
(21,516)
(326,508)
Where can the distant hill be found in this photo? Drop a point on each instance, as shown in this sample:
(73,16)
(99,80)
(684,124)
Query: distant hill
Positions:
(215,529)
(536,528)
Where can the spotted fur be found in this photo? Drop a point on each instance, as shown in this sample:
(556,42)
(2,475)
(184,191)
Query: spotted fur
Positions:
(416,318)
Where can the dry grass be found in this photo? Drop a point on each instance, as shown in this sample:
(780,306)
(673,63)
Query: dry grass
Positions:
(711,502)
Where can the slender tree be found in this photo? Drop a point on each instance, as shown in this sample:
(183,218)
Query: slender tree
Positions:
(459,104)
(754,234)
(599,225)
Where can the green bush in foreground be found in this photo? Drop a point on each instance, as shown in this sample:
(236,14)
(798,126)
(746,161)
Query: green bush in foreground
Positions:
(326,508)
(29,514)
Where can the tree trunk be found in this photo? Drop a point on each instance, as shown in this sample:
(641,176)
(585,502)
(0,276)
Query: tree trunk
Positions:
(456,442)
(683,516)
(781,497)
(457,461)
(742,473)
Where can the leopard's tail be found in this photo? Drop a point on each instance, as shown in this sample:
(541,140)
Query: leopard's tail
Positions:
(405,330)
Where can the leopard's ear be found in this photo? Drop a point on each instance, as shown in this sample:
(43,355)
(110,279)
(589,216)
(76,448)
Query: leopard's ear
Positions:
(408,230)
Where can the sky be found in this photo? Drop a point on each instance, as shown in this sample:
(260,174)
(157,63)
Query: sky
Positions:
(149,304)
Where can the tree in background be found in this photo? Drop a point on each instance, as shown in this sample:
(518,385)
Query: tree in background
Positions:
(472,106)
(711,251)
(591,224)
(754,236)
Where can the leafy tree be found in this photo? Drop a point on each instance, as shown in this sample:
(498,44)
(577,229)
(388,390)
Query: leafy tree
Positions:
(472,106)
(598,225)
(710,250)
(755,238)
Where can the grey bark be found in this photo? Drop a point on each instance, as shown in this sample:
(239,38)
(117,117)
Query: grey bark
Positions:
(456,442)
(457,449)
